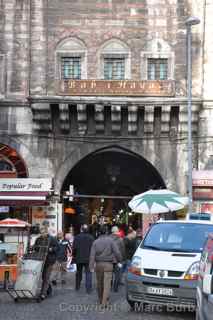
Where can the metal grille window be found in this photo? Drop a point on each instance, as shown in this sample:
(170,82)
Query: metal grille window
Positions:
(114,68)
(71,67)
(157,69)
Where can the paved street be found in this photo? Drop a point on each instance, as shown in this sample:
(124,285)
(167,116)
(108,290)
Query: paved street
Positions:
(66,304)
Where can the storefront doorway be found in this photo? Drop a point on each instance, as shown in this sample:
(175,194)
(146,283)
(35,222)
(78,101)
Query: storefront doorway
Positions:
(106,179)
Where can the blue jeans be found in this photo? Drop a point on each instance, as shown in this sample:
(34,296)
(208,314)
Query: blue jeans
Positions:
(117,275)
(88,282)
(126,265)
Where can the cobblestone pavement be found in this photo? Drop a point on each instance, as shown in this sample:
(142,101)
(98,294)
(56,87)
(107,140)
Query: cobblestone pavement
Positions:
(67,304)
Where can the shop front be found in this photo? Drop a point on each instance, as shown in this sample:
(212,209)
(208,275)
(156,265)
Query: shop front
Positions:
(29,200)
(19,195)
(15,232)
(203,190)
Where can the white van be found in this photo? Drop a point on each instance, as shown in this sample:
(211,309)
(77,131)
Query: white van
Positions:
(164,269)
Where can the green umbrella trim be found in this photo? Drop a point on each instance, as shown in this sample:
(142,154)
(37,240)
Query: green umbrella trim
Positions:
(160,199)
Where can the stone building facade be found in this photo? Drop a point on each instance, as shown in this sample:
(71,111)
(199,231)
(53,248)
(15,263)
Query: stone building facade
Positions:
(86,87)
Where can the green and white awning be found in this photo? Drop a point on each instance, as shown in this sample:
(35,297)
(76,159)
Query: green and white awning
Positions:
(157,201)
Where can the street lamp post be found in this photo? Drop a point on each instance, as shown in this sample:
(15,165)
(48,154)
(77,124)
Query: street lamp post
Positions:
(189,23)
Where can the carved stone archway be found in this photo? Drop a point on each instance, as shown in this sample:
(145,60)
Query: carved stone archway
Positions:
(13,166)
(105,174)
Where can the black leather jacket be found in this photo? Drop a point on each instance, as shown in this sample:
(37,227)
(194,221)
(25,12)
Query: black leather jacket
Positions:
(47,249)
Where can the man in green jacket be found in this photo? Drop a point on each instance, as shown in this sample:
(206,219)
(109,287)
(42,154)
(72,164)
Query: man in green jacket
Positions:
(104,253)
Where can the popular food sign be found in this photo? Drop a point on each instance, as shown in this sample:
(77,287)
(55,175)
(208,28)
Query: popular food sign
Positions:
(25,184)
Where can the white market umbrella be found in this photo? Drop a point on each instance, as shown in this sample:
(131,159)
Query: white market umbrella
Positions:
(157,201)
(10,222)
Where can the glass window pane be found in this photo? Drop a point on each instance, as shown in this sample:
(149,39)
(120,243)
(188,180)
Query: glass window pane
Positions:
(114,68)
(177,237)
(108,70)
(157,69)
(71,68)
(151,69)
(66,70)
(119,70)
(163,71)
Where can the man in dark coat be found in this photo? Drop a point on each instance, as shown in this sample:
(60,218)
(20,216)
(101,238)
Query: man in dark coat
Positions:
(81,252)
(46,247)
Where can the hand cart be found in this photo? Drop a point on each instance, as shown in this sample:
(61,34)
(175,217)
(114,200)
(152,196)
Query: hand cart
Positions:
(14,238)
(29,279)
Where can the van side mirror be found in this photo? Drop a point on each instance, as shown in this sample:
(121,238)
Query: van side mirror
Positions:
(208,284)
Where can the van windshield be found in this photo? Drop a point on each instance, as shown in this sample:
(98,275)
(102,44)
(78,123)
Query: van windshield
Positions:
(180,237)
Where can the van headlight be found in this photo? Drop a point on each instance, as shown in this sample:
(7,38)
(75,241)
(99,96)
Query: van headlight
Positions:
(193,271)
(135,266)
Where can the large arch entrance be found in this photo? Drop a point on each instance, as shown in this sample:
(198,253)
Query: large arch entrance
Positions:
(112,174)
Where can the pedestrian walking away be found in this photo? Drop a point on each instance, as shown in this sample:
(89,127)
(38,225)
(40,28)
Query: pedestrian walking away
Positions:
(81,253)
(104,253)
(70,238)
(94,228)
(130,247)
(59,274)
(45,240)
(117,267)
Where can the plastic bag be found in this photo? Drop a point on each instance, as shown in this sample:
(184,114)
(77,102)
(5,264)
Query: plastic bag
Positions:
(71,267)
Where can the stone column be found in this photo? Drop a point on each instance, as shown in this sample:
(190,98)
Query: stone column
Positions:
(99,118)
(165,119)
(64,116)
(206,114)
(82,118)
(9,40)
(149,119)
(116,118)
(20,49)
(205,136)
(42,119)
(183,119)
(132,119)
(39,43)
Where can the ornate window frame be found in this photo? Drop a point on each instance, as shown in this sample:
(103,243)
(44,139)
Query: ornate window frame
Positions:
(71,47)
(114,48)
(157,49)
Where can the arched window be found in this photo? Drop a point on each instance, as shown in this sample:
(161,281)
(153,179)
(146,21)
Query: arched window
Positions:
(11,163)
(5,165)
(157,62)
(71,60)
(114,61)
